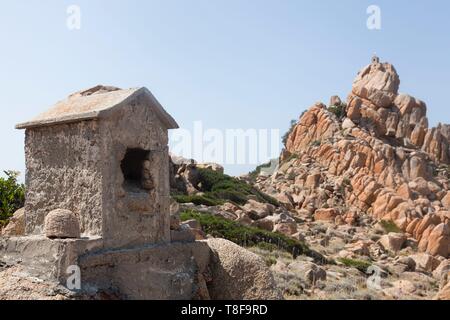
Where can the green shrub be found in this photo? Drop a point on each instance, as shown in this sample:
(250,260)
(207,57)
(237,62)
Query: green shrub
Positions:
(267,246)
(338,110)
(270,261)
(443,170)
(291,157)
(346,185)
(255,173)
(12,196)
(197,200)
(230,195)
(243,235)
(209,178)
(220,187)
(266,198)
(357,264)
(316,143)
(390,226)
(346,182)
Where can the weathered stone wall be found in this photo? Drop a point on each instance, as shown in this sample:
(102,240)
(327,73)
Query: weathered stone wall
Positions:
(134,218)
(63,172)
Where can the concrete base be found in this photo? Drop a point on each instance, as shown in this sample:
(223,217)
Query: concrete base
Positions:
(172,271)
(44,258)
(167,271)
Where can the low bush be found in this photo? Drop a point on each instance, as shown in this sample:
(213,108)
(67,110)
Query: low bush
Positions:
(230,195)
(357,264)
(12,196)
(197,200)
(291,157)
(316,143)
(267,246)
(390,226)
(245,236)
(338,110)
(218,188)
(255,173)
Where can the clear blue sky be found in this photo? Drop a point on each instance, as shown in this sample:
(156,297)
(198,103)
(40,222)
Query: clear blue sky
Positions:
(229,63)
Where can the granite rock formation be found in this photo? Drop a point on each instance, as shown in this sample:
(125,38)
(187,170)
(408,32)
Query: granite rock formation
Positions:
(379,158)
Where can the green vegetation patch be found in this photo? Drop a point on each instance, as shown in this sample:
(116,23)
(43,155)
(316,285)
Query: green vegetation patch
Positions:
(390,226)
(218,188)
(12,196)
(197,200)
(255,173)
(357,264)
(290,158)
(245,236)
(339,110)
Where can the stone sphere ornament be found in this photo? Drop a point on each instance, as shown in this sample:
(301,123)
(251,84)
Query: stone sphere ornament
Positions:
(61,224)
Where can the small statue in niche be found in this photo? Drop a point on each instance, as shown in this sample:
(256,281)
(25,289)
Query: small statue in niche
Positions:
(147,178)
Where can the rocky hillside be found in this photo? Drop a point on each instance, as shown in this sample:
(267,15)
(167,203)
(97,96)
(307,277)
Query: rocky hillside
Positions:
(377,158)
(363,185)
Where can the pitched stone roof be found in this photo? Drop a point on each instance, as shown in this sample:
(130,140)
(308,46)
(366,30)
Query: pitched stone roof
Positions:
(93,103)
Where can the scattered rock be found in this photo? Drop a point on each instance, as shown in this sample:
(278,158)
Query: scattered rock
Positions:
(265,224)
(393,241)
(400,289)
(348,124)
(408,262)
(258,210)
(326,215)
(359,248)
(287,228)
(211,166)
(309,271)
(425,261)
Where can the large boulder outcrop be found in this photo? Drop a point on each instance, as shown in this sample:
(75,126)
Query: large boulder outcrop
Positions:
(16,225)
(379,158)
(378,83)
(376,105)
(239,274)
(393,242)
